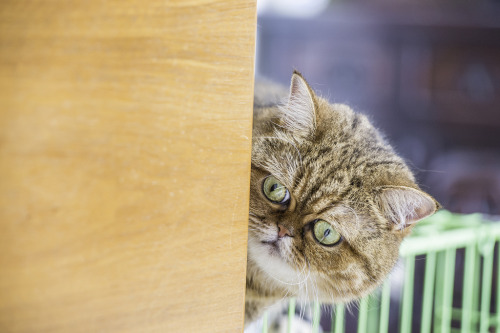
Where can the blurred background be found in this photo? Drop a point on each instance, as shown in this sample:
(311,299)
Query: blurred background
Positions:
(426,72)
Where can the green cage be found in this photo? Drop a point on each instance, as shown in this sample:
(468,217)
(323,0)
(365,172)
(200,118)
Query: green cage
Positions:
(451,283)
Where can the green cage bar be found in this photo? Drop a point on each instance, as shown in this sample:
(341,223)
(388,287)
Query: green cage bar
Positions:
(438,292)
(264,323)
(468,288)
(291,315)
(339,318)
(385,303)
(476,290)
(316,317)
(406,311)
(498,289)
(430,269)
(373,311)
(363,315)
(449,274)
(487,252)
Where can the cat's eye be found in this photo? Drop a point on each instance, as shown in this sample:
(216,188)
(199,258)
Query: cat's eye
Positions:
(325,233)
(275,191)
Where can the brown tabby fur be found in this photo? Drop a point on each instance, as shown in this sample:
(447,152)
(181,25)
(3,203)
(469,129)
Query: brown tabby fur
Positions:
(339,168)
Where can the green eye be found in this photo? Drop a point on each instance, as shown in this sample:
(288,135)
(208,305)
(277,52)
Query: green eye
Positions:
(325,234)
(275,191)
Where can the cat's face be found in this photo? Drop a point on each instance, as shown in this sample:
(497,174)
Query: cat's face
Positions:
(330,202)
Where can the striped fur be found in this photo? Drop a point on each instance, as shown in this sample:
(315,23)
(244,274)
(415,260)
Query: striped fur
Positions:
(338,168)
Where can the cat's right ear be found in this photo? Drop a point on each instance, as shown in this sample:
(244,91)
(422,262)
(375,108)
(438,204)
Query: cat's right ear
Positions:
(299,114)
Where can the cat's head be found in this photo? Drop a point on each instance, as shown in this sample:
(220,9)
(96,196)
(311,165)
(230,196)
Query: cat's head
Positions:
(330,201)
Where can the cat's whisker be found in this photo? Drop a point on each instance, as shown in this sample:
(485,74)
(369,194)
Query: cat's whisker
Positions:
(332,297)
(302,307)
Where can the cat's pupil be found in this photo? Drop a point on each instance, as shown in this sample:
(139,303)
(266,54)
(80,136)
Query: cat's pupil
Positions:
(274,187)
(326,233)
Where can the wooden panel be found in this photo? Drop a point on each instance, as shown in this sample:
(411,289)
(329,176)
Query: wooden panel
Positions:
(124,159)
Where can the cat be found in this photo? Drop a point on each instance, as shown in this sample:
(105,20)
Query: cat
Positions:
(330,201)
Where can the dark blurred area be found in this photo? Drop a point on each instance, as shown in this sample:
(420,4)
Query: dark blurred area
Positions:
(427,73)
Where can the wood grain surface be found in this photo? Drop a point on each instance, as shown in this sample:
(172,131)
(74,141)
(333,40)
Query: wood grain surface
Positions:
(125,138)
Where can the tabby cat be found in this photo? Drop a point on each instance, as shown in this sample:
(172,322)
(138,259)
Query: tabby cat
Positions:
(330,201)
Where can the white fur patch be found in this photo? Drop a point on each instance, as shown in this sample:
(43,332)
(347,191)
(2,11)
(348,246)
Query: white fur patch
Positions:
(274,265)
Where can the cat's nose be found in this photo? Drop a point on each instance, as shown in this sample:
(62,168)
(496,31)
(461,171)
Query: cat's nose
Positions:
(282,231)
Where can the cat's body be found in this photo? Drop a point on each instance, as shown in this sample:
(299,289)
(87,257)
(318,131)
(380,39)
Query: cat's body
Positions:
(330,201)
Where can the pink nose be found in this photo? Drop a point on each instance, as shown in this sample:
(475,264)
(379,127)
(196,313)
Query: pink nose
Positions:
(282,231)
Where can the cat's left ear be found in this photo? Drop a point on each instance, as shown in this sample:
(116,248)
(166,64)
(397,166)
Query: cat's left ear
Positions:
(405,206)
(299,114)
